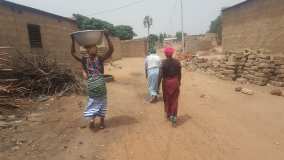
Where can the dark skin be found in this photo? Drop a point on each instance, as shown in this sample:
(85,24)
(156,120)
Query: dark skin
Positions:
(92,52)
(146,73)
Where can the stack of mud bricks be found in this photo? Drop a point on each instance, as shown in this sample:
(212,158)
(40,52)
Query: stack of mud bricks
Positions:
(227,71)
(277,78)
(232,66)
(253,66)
(258,68)
(202,63)
(216,66)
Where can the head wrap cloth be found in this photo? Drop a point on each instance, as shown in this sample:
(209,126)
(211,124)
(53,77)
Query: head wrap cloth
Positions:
(169,51)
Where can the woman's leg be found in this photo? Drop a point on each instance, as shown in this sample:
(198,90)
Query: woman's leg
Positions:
(166,101)
(174,103)
(102,112)
(174,107)
(92,122)
(153,83)
(90,112)
(102,123)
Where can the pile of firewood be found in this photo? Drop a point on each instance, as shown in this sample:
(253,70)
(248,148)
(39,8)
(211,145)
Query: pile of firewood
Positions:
(34,76)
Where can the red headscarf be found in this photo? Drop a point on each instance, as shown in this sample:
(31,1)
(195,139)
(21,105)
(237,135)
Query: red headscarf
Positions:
(169,51)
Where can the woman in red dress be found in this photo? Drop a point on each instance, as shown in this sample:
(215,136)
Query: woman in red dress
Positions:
(170,76)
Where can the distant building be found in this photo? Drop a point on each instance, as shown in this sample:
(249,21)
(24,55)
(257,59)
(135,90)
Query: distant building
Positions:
(34,31)
(170,40)
(203,42)
(254,24)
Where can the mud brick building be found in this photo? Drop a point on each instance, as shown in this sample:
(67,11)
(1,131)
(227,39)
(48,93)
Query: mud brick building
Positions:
(34,31)
(134,48)
(204,42)
(126,48)
(254,24)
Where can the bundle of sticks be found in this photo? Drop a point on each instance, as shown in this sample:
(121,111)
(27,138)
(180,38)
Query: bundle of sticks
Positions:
(29,76)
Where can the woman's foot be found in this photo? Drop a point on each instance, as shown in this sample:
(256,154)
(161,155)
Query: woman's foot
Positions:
(174,121)
(168,117)
(154,99)
(92,124)
(102,124)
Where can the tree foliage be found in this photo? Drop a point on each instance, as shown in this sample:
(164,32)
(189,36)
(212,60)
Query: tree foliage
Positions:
(153,37)
(179,35)
(216,27)
(123,32)
(152,40)
(92,23)
(161,38)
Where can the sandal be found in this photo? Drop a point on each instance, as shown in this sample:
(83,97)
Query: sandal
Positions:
(92,124)
(102,127)
(174,121)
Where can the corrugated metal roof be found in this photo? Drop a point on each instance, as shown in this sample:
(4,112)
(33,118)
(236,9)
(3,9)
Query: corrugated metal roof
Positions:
(37,11)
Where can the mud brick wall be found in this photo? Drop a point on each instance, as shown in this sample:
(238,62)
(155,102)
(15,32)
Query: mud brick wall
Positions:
(204,42)
(254,24)
(117,54)
(248,66)
(55,33)
(129,48)
(277,78)
(134,48)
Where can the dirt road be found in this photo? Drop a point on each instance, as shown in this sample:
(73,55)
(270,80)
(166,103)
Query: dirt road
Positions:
(215,123)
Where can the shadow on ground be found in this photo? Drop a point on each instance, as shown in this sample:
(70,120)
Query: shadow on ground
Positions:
(115,122)
(119,121)
(183,119)
(136,74)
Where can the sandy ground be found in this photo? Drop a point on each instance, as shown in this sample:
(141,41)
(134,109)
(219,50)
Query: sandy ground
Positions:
(215,123)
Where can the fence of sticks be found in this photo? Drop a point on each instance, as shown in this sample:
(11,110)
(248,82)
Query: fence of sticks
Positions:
(33,76)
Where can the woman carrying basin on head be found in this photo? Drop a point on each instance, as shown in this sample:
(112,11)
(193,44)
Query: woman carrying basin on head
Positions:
(93,68)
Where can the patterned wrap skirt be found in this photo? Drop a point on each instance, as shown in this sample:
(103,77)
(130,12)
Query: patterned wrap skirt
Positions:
(97,101)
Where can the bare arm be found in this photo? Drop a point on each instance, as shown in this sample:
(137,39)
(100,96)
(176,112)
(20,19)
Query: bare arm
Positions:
(179,74)
(85,75)
(160,74)
(146,66)
(110,47)
(73,51)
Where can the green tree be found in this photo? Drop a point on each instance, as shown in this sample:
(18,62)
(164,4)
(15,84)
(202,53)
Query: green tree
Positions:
(148,22)
(152,40)
(216,27)
(179,35)
(92,23)
(161,38)
(123,32)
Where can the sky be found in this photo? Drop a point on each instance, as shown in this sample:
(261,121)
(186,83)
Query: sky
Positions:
(198,14)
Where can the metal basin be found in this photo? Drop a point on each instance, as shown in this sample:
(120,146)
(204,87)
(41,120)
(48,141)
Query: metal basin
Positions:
(88,37)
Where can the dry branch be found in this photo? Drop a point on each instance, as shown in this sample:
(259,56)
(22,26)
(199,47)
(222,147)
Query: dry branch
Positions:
(34,76)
